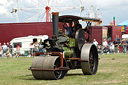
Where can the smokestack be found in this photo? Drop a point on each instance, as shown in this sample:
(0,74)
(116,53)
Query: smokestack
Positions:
(114,21)
(55,21)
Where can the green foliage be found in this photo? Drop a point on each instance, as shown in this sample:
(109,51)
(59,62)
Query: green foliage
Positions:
(113,70)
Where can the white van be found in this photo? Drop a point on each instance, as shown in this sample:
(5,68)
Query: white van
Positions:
(24,42)
(125,36)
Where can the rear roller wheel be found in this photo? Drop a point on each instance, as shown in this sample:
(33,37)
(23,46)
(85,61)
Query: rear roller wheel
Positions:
(90,55)
(48,63)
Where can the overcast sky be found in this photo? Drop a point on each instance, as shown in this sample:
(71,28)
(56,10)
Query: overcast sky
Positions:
(108,9)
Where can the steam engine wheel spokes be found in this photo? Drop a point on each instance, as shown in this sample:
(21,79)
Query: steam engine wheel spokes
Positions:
(90,55)
(58,73)
(91,60)
(48,64)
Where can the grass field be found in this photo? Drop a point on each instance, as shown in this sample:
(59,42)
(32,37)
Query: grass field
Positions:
(113,70)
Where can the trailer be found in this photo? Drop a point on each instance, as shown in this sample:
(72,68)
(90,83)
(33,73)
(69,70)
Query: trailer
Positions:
(99,33)
(9,31)
(114,32)
(105,32)
(25,42)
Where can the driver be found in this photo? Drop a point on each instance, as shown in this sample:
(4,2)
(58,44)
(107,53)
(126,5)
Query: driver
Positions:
(68,28)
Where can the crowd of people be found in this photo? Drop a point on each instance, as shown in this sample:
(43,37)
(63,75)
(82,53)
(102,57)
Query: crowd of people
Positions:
(6,50)
(35,47)
(118,46)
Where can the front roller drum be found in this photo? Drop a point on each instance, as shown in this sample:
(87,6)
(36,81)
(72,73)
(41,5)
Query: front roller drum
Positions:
(90,55)
(48,64)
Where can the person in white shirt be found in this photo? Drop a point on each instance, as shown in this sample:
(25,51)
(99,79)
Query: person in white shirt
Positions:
(4,48)
(112,48)
(95,42)
(104,44)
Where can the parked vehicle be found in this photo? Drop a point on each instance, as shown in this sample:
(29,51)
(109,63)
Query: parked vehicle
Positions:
(24,42)
(125,36)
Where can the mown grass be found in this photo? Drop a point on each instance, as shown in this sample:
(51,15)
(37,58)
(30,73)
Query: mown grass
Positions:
(113,70)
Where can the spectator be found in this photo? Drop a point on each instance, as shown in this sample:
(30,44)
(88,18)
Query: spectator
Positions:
(99,48)
(8,54)
(36,47)
(18,50)
(105,43)
(0,50)
(112,48)
(31,48)
(95,42)
(10,47)
(106,50)
(116,43)
(41,49)
(124,45)
(127,45)
(4,48)
(105,46)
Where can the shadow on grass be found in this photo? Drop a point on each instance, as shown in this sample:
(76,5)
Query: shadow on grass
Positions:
(24,77)
(75,74)
(30,76)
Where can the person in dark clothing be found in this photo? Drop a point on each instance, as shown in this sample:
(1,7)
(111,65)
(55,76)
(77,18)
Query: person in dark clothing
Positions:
(127,45)
(78,25)
(116,43)
(10,47)
(124,46)
(106,50)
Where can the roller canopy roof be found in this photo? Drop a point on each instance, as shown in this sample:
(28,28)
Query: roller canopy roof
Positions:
(74,18)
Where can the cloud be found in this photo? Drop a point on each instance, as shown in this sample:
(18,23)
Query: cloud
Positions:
(108,8)
(106,3)
(4,7)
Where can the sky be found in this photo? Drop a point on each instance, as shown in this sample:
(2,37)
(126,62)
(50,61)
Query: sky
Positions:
(107,9)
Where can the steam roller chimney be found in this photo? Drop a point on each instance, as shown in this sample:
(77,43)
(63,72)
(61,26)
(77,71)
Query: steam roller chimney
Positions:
(55,21)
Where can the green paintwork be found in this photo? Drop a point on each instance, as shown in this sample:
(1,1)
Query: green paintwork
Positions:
(71,42)
(68,52)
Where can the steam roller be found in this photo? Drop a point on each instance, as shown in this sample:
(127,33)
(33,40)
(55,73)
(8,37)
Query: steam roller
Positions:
(64,53)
